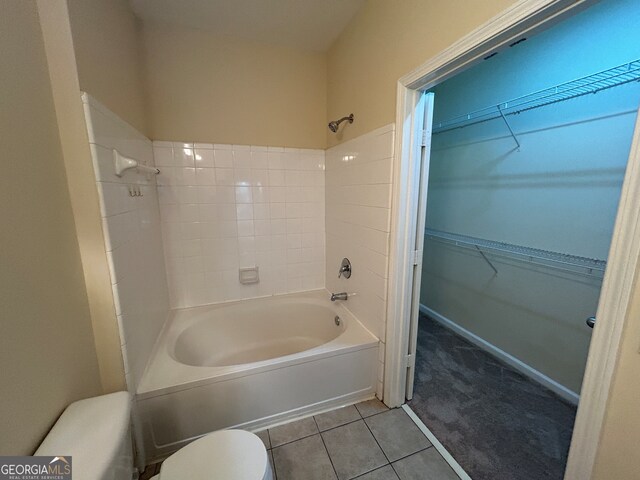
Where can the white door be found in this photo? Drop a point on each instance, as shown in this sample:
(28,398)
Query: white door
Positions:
(422,172)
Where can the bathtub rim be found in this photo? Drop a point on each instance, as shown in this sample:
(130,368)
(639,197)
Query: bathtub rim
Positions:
(355,337)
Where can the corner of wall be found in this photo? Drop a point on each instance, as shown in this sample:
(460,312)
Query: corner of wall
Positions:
(54,20)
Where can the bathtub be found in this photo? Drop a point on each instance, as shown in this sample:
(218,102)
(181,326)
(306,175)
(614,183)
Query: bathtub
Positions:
(251,364)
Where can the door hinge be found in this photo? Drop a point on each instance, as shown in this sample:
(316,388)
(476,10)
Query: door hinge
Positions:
(417,257)
(426,136)
(410,360)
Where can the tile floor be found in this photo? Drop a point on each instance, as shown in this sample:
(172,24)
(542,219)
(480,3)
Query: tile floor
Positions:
(366,441)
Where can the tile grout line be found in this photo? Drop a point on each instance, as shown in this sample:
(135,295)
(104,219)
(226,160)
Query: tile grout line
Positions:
(325,448)
(270,454)
(370,471)
(376,440)
(292,441)
(455,466)
(390,464)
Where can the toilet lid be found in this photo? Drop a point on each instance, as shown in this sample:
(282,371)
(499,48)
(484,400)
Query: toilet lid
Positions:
(228,454)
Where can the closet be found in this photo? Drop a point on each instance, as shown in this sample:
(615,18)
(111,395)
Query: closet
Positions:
(529,150)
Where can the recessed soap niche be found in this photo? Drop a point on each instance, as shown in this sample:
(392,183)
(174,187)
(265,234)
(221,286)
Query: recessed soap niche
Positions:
(249,275)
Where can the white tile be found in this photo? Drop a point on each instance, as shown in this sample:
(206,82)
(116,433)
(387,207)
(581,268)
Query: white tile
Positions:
(241,158)
(260,177)
(244,211)
(245,228)
(293,178)
(225,194)
(294,210)
(278,210)
(262,227)
(253,208)
(206,194)
(183,157)
(223,158)
(260,194)
(263,244)
(275,160)
(259,159)
(294,241)
(205,176)
(278,242)
(208,213)
(246,245)
(242,177)
(163,157)
(227,211)
(278,194)
(244,195)
(224,176)
(261,211)
(204,158)
(276,178)
(294,225)
(278,226)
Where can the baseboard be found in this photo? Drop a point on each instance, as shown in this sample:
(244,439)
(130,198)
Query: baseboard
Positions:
(539,377)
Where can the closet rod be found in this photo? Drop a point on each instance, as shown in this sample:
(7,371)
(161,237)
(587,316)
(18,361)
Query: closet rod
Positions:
(612,77)
(538,256)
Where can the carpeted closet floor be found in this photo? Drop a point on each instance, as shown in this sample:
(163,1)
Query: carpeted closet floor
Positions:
(495,422)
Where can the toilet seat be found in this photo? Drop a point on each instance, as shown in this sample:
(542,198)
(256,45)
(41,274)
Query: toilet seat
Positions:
(226,454)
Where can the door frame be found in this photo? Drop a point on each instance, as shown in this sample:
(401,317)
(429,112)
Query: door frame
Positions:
(522,18)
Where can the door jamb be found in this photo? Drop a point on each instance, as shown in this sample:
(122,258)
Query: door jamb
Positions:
(520,19)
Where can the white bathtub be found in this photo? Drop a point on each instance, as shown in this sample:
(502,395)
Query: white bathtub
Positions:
(251,364)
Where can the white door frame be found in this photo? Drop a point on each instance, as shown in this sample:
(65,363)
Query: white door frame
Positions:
(519,20)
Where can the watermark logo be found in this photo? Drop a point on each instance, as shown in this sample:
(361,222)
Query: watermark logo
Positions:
(35,468)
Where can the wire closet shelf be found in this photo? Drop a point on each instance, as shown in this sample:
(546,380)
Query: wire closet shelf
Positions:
(625,73)
(562,261)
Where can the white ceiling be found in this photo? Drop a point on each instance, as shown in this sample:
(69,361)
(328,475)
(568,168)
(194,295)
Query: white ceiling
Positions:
(303,24)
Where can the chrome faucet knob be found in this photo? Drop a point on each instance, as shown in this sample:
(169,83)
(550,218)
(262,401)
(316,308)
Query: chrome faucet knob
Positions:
(345,268)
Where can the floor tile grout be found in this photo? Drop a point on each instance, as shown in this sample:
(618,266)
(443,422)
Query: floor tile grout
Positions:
(292,441)
(328,429)
(369,471)
(326,449)
(378,443)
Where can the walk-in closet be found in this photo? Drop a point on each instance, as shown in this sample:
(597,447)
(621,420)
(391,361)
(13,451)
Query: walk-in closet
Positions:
(528,154)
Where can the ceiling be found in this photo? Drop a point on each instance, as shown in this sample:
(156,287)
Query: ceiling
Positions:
(310,25)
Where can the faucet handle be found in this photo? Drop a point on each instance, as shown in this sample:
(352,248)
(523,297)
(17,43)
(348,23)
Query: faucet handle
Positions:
(345,268)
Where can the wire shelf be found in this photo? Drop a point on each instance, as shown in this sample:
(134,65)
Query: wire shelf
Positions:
(597,82)
(564,261)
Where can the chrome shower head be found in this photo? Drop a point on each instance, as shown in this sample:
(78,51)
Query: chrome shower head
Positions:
(333,125)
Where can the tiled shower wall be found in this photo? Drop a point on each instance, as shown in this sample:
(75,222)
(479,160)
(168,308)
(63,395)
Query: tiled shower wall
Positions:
(131,227)
(358,208)
(224,207)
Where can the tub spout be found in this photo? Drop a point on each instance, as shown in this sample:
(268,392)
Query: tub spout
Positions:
(339,296)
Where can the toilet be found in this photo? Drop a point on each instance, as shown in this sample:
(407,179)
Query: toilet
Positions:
(96,434)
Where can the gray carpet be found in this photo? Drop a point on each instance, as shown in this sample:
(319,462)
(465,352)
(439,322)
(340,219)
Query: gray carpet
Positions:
(495,422)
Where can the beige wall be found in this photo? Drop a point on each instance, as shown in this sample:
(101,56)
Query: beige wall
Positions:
(618,452)
(108,51)
(63,74)
(383,42)
(213,89)
(46,347)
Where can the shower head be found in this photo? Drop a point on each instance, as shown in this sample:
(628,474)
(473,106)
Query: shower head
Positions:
(333,125)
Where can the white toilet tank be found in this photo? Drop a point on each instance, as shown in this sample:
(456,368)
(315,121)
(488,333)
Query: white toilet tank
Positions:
(96,433)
